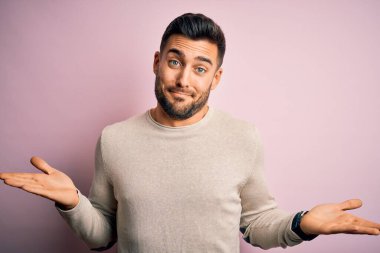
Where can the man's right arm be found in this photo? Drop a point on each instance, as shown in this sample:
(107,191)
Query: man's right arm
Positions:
(93,219)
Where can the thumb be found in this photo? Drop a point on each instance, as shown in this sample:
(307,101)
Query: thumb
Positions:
(40,164)
(350,204)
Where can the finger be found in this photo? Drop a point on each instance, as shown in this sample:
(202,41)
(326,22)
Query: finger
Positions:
(4,175)
(354,229)
(21,180)
(16,175)
(42,165)
(350,204)
(20,183)
(367,223)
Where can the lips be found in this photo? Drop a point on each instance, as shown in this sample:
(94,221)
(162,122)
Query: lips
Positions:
(180,92)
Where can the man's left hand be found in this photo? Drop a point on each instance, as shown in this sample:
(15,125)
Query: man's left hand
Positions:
(333,219)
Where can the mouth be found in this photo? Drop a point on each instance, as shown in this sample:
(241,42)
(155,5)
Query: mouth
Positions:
(181,93)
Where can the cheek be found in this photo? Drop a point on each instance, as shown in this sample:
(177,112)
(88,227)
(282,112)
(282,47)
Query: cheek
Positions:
(204,83)
(166,77)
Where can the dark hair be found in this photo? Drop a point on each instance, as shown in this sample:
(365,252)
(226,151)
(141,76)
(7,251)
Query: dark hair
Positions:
(196,26)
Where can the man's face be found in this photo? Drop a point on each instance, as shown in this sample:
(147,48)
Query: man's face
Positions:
(186,70)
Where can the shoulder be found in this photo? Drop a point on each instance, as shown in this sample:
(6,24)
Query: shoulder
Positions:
(230,124)
(120,130)
(238,135)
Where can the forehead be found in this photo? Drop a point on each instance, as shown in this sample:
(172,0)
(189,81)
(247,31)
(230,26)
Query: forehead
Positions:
(192,48)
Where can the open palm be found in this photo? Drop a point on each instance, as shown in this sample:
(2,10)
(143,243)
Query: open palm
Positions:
(333,219)
(51,184)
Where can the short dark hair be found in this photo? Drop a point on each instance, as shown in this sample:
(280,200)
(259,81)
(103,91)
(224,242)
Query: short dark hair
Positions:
(196,27)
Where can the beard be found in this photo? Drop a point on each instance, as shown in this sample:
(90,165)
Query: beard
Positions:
(178,110)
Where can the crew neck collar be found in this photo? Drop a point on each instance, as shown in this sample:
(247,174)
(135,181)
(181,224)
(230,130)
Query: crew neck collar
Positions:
(195,125)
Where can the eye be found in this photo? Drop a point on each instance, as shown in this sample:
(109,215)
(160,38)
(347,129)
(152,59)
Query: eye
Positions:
(200,70)
(174,63)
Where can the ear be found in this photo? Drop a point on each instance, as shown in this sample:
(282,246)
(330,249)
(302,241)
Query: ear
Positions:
(156,62)
(216,79)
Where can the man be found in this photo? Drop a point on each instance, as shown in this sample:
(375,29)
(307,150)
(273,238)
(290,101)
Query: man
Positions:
(183,177)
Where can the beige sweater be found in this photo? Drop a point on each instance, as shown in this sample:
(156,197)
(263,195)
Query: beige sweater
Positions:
(179,189)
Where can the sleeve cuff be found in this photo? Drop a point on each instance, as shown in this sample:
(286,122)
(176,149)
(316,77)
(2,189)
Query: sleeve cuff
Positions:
(80,196)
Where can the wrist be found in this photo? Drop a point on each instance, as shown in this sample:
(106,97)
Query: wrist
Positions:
(296,227)
(69,205)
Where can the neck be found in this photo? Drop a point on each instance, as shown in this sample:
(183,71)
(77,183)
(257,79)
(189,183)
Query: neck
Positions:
(160,116)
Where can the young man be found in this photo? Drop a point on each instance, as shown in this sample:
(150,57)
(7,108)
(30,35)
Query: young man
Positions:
(183,177)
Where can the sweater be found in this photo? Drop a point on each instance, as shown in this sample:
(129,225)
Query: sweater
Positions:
(179,189)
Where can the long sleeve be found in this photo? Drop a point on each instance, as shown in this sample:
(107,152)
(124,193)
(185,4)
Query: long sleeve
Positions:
(93,219)
(262,223)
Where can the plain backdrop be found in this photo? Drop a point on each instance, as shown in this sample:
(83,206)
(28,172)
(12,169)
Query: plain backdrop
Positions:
(306,73)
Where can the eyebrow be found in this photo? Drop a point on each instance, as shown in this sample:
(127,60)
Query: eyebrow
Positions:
(181,54)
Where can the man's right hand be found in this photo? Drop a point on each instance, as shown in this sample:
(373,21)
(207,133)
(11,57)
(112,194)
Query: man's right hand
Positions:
(51,184)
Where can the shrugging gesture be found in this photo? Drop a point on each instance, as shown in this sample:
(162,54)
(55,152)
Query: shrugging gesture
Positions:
(322,219)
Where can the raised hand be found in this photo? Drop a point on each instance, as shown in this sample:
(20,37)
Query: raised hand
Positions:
(332,219)
(51,184)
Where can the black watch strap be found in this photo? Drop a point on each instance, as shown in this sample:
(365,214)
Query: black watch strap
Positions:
(296,227)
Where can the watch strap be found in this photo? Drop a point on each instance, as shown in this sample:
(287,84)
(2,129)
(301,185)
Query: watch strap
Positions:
(296,227)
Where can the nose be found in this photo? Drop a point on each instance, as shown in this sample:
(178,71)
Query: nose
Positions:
(183,78)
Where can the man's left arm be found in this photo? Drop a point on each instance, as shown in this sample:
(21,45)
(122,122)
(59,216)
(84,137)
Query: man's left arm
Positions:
(264,225)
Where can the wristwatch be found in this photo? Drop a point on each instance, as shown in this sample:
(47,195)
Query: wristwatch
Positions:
(296,227)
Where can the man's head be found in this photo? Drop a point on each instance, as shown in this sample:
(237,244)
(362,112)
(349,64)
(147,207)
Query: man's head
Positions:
(196,27)
(188,65)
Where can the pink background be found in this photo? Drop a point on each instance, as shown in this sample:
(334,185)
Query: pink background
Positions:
(305,72)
